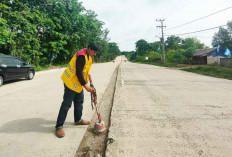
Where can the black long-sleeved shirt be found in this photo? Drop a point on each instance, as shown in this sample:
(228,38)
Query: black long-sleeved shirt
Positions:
(80,63)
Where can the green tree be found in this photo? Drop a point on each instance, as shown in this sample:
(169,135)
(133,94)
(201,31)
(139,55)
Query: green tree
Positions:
(4,33)
(176,56)
(22,41)
(153,56)
(173,42)
(142,46)
(192,43)
(223,37)
(113,50)
(35,30)
(103,55)
(154,46)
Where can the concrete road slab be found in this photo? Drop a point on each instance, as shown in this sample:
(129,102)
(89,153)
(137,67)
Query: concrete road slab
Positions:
(162,112)
(29,111)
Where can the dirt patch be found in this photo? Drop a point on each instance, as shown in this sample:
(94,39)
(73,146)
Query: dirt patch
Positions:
(94,144)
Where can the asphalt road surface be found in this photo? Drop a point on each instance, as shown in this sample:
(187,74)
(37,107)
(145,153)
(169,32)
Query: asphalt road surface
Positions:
(162,112)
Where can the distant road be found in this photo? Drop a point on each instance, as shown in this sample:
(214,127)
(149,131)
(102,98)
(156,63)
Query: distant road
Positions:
(161,112)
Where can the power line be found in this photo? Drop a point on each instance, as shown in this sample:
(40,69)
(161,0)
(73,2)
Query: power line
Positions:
(200,18)
(173,8)
(181,6)
(198,31)
(157,34)
(201,36)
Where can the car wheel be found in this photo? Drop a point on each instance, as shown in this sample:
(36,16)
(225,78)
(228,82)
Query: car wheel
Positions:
(1,81)
(30,75)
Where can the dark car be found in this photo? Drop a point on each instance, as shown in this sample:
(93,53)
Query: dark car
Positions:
(12,68)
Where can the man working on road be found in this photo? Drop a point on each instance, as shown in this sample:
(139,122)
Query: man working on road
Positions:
(75,77)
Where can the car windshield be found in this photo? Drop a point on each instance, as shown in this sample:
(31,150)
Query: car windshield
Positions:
(7,61)
(17,62)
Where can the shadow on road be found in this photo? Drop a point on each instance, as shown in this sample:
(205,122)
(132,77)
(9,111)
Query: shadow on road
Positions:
(14,81)
(29,125)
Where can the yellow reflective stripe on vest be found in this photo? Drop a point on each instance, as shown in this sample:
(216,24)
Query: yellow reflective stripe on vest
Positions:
(69,75)
(66,74)
(70,68)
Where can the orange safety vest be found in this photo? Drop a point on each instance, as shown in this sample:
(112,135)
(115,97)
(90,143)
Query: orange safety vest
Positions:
(69,76)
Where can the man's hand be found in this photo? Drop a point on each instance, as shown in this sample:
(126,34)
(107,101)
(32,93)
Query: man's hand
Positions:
(90,79)
(88,88)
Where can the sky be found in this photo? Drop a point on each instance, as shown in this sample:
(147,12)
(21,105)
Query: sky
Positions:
(131,20)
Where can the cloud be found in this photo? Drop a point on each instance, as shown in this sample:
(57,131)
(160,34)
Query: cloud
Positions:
(131,20)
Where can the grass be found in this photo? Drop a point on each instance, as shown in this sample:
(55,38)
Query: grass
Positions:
(161,64)
(48,67)
(213,70)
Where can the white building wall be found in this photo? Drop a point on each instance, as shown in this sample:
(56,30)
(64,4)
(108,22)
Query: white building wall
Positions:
(212,60)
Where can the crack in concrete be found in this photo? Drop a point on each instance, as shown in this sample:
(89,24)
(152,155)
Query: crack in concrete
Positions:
(94,144)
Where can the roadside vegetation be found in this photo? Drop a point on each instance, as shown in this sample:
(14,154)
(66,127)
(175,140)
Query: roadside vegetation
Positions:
(179,53)
(47,33)
(48,67)
(213,70)
(50,32)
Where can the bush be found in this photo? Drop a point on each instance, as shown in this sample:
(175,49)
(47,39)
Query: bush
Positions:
(179,56)
(153,56)
(140,59)
(212,70)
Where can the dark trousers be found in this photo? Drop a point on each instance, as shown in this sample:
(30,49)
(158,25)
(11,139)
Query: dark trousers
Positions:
(69,97)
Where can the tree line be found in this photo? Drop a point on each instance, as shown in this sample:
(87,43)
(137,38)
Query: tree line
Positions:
(178,50)
(39,30)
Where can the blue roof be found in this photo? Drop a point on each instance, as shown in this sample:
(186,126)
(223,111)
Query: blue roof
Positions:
(209,52)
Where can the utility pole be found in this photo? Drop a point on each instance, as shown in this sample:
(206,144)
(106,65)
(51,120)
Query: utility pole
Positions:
(162,39)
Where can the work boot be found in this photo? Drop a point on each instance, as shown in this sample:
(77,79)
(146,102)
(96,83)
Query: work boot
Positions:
(82,122)
(60,132)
